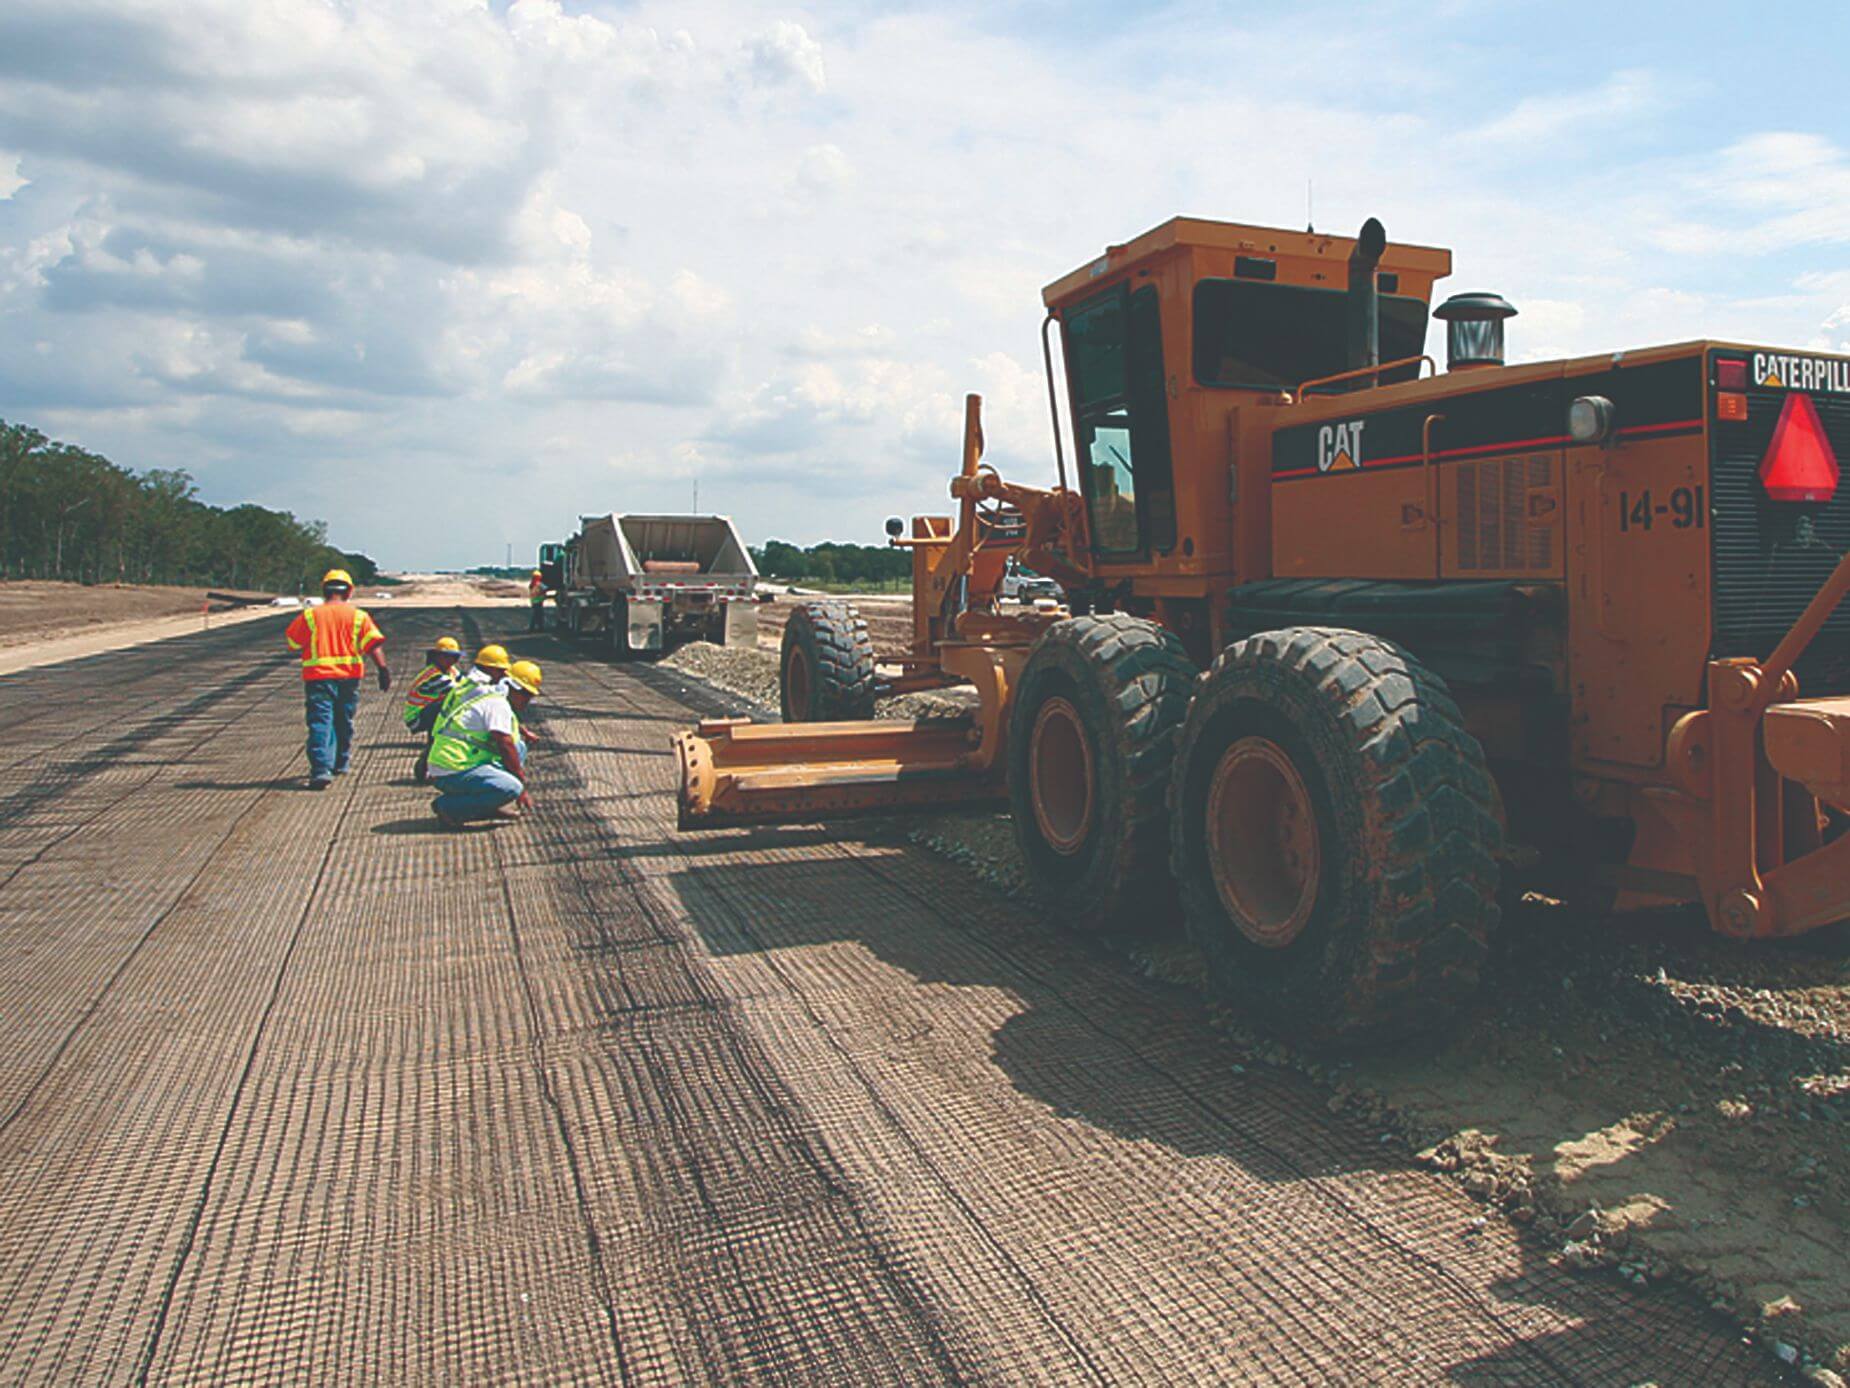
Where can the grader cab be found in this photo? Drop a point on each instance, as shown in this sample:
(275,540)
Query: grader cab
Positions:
(1351,643)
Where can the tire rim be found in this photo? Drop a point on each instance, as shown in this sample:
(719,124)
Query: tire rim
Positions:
(1060,774)
(796,684)
(1263,847)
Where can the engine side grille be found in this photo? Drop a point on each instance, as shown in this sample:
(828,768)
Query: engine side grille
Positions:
(1492,503)
(1771,557)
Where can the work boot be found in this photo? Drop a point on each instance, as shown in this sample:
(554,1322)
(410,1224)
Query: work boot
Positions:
(319,782)
(421,772)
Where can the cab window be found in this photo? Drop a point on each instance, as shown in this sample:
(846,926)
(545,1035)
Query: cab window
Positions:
(1115,377)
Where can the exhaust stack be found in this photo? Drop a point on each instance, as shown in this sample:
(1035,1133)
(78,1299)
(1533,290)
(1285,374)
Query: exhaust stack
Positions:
(1364,298)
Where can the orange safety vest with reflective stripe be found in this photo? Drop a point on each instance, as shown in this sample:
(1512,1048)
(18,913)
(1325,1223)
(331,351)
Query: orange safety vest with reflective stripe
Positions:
(331,639)
(432,686)
(536,591)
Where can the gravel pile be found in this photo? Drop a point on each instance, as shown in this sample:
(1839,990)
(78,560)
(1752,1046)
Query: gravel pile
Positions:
(735,669)
(752,672)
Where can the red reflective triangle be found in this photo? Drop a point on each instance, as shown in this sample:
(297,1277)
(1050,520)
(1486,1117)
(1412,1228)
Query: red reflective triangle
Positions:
(1799,464)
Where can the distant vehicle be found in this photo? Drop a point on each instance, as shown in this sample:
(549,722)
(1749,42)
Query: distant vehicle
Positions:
(1024,585)
(649,583)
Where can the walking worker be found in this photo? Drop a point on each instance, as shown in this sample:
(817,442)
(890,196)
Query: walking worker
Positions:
(432,685)
(477,757)
(536,602)
(334,641)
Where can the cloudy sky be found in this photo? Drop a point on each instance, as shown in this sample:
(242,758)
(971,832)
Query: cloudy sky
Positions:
(445,273)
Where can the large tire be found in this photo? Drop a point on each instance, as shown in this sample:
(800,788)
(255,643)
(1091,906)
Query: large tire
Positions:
(1334,833)
(825,667)
(1090,739)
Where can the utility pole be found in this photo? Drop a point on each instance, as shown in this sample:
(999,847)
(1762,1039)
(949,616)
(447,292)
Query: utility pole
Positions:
(508,563)
(696,496)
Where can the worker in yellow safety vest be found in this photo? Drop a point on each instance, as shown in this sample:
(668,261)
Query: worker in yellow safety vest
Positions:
(477,756)
(429,688)
(334,641)
(536,602)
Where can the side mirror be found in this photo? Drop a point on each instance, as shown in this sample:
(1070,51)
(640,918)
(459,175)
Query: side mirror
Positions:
(895,527)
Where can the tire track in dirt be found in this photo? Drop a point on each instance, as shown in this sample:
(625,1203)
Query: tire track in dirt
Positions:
(1540,1351)
(646,982)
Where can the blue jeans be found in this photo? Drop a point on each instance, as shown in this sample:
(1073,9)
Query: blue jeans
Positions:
(476,793)
(331,706)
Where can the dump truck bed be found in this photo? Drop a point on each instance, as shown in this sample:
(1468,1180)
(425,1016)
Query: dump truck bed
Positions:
(620,552)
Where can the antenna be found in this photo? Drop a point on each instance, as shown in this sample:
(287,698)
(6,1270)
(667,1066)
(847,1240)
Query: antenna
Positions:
(1310,208)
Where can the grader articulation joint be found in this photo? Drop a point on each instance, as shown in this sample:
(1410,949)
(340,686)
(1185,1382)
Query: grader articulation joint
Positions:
(1349,646)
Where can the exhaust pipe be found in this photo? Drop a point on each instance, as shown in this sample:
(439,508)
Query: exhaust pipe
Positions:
(1364,299)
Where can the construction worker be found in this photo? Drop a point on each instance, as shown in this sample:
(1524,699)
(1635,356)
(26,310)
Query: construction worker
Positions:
(536,602)
(490,665)
(432,685)
(477,757)
(332,640)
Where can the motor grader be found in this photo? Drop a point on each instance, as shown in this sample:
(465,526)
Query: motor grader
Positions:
(1352,645)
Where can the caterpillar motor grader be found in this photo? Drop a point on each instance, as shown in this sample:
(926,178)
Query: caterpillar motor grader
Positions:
(1350,642)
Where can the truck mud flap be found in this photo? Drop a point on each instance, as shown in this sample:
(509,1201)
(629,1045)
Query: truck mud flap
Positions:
(739,624)
(644,625)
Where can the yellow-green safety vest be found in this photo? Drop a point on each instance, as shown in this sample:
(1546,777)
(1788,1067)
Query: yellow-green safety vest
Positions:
(454,749)
(432,685)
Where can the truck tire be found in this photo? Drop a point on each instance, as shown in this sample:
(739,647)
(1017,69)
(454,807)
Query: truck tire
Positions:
(1090,739)
(825,666)
(1334,833)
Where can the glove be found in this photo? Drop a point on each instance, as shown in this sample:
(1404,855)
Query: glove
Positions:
(385,679)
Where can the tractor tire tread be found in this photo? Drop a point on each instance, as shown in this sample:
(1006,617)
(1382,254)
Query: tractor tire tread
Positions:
(843,679)
(1144,674)
(1431,875)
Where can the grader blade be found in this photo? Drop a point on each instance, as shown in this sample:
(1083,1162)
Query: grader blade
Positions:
(734,771)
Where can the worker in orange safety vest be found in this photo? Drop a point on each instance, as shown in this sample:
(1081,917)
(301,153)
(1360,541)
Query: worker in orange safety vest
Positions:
(429,688)
(334,641)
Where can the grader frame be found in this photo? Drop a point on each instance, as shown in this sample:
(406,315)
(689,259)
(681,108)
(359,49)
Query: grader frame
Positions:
(1573,632)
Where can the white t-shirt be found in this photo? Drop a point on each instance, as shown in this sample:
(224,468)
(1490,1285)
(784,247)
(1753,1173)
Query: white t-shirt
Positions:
(493,714)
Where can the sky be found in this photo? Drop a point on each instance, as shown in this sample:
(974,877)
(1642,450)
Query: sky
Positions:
(448,273)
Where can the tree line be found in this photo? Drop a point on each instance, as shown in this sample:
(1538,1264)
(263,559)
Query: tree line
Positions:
(68,513)
(829,562)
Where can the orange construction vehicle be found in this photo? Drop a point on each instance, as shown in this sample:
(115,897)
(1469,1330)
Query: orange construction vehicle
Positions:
(1351,645)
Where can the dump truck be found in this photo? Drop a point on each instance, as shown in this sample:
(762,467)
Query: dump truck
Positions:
(1354,647)
(645,584)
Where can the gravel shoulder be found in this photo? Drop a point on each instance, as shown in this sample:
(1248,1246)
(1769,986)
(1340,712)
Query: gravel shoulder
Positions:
(1646,1099)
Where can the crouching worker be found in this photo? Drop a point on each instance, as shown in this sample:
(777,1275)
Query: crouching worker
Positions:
(477,758)
(432,686)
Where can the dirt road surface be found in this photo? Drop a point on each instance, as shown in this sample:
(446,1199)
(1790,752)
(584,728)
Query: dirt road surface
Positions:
(294,1087)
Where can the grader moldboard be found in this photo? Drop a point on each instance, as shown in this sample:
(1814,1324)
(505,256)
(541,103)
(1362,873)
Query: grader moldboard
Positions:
(1351,643)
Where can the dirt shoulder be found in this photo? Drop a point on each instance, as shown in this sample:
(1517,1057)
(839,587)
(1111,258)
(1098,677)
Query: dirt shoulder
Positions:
(33,611)
(1643,1097)
(44,623)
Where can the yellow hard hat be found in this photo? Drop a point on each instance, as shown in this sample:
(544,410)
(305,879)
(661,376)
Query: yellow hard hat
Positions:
(524,674)
(492,657)
(448,643)
(337,576)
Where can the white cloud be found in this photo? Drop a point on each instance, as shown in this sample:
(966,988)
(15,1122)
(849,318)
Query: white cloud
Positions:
(823,168)
(1622,97)
(786,54)
(578,253)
